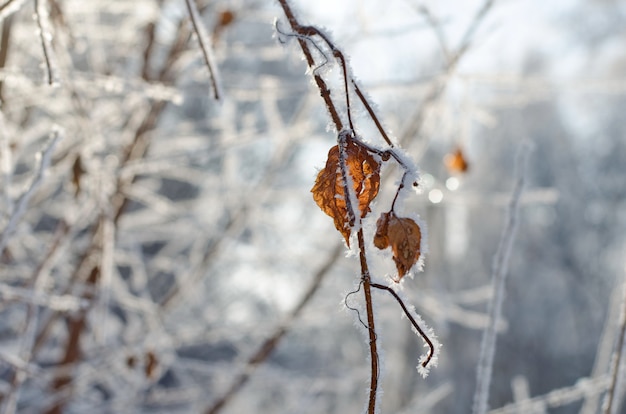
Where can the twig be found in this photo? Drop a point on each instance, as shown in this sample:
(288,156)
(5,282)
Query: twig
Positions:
(584,387)
(41,14)
(205,45)
(418,328)
(266,349)
(414,127)
(498,278)
(9,7)
(434,23)
(319,81)
(44,158)
(27,339)
(614,394)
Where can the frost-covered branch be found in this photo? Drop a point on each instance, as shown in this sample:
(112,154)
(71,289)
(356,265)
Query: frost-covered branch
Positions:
(583,388)
(437,88)
(45,36)
(426,333)
(205,45)
(43,162)
(613,397)
(498,278)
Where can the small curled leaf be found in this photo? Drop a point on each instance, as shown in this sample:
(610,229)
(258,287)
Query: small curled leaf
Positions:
(404,236)
(328,191)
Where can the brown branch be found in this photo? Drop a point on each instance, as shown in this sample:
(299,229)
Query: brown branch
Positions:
(137,149)
(437,89)
(4,50)
(418,328)
(611,401)
(319,81)
(6,10)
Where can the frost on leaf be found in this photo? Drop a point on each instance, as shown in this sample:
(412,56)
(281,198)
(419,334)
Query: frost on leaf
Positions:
(404,237)
(328,191)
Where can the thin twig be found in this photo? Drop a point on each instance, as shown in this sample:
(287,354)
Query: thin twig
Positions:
(584,387)
(319,81)
(372,114)
(417,327)
(498,278)
(5,38)
(434,23)
(205,45)
(614,393)
(27,339)
(44,158)
(9,7)
(45,36)
(416,121)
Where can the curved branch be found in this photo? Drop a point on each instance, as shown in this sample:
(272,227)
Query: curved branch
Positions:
(431,345)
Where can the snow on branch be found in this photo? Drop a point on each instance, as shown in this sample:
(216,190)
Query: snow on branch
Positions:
(498,277)
(615,392)
(9,7)
(43,159)
(45,35)
(205,45)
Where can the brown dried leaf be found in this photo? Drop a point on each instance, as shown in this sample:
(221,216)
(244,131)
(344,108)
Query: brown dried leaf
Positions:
(381,239)
(328,191)
(404,236)
(455,162)
(151,365)
(226,17)
(77,174)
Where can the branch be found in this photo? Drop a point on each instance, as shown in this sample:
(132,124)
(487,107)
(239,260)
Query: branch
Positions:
(431,346)
(414,127)
(45,36)
(584,387)
(43,158)
(319,81)
(205,45)
(498,277)
(612,398)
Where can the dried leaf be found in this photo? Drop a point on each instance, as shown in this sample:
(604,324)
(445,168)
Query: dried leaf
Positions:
(77,174)
(226,18)
(456,162)
(328,191)
(381,239)
(151,365)
(404,236)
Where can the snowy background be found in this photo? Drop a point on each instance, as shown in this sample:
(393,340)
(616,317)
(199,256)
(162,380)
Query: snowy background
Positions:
(169,236)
